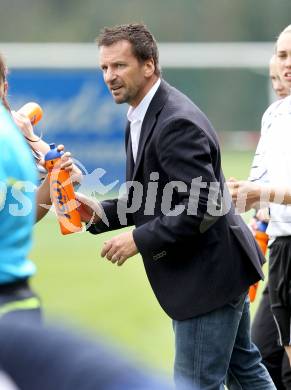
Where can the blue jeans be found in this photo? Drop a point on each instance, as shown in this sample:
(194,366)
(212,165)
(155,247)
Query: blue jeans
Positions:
(216,349)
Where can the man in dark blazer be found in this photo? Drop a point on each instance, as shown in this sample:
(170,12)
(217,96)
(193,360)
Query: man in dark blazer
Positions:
(199,256)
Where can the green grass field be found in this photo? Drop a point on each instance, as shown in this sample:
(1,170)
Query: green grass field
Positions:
(79,287)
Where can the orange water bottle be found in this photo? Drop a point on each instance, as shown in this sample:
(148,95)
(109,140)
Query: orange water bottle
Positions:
(33,111)
(262,239)
(261,236)
(62,193)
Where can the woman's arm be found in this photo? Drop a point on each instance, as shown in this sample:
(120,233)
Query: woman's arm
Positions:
(43,199)
(37,144)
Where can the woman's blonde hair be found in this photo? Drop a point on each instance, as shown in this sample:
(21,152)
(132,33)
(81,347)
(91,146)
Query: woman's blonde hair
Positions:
(286,30)
(3,79)
(3,68)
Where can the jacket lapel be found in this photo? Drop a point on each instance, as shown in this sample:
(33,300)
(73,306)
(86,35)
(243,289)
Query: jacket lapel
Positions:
(149,121)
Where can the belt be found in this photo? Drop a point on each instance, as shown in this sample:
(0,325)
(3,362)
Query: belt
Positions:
(8,288)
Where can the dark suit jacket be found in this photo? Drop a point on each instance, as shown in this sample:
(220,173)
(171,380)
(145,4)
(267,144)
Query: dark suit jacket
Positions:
(195,263)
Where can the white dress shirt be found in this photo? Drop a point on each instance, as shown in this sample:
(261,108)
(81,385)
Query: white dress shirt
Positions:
(272,162)
(135,115)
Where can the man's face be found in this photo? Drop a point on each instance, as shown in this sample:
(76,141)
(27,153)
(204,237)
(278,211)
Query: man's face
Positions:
(284,58)
(126,77)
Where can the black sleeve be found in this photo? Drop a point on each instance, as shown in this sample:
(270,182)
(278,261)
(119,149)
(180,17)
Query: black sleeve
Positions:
(111,216)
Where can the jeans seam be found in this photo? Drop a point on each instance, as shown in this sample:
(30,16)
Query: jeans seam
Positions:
(237,382)
(196,367)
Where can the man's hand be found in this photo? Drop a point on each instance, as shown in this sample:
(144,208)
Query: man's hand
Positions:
(89,209)
(253,225)
(245,194)
(120,248)
(288,351)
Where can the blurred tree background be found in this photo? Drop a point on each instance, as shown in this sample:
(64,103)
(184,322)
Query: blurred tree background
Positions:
(234,99)
(169,20)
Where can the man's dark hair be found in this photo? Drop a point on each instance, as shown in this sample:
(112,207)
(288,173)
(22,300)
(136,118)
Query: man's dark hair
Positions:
(144,46)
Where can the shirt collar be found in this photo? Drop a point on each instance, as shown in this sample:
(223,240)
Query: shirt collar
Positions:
(138,113)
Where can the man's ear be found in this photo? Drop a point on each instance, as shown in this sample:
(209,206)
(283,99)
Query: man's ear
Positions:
(149,67)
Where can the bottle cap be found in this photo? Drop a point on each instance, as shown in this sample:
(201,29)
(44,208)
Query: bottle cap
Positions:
(53,153)
(262,226)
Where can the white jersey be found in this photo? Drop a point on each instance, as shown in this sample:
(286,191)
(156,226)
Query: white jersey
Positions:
(272,161)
